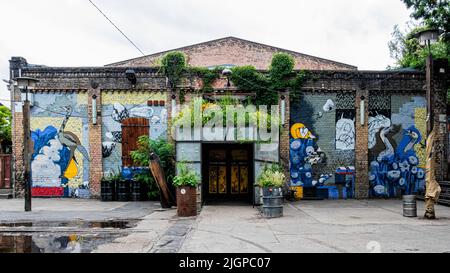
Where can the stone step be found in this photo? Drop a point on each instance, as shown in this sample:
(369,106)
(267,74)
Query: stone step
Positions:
(6,191)
(6,195)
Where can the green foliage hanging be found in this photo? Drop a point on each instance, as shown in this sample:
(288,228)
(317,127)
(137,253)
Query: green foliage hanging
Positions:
(280,70)
(5,128)
(162,148)
(173,65)
(207,75)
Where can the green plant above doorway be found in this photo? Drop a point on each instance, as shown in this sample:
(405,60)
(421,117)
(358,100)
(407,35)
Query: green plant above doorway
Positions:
(186,177)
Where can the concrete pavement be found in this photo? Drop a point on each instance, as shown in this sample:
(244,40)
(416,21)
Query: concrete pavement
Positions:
(320,226)
(307,226)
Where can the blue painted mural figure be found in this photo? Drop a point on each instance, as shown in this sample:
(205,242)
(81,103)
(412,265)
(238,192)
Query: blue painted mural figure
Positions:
(397,170)
(53,161)
(304,153)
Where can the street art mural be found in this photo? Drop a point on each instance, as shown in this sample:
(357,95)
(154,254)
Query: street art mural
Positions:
(120,105)
(60,157)
(396,144)
(322,143)
(304,154)
(345,130)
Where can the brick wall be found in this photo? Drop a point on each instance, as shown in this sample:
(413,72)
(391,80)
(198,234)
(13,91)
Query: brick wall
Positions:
(238,52)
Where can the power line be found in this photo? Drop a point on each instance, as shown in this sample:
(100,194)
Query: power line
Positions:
(117,27)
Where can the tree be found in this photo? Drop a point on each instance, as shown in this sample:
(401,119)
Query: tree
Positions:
(5,127)
(404,48)
(434,14)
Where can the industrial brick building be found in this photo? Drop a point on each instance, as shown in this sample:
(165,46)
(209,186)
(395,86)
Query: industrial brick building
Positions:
(367,124)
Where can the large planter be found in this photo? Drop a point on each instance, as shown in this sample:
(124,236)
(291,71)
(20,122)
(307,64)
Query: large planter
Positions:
(272,202)
(108,189)
(186,201)
(123,190)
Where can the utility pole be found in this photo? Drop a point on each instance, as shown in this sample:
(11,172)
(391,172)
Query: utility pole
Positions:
(24,83)
(26,150)
(429,95)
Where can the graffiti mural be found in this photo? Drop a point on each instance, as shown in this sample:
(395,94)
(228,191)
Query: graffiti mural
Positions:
(60,158)
(396,148)
(117,106)
(322,140)
(304,154)
(345,130)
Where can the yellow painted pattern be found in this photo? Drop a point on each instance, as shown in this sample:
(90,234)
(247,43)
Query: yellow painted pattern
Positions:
(234,179)
(82,98)
(212,179)
(126,97)
(74,125)
(420,115)
(244,179)
(299,130)
(71,170)
(222,179)
(298,192)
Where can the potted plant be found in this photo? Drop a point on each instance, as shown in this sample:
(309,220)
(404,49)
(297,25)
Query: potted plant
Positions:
(272,180)
(186,183)
(108,188)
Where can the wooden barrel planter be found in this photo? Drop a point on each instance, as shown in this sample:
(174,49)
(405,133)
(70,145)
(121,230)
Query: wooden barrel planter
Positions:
(272,202)
(186,201)
(107,190)
(123,190)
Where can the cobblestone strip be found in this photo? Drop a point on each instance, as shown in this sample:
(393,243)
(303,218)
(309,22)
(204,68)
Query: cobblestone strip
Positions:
(172,240)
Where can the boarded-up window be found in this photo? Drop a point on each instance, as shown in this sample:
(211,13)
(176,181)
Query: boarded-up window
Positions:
(5,171)
(132,129)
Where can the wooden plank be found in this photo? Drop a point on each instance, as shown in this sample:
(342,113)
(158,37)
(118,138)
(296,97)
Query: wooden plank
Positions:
(132,129)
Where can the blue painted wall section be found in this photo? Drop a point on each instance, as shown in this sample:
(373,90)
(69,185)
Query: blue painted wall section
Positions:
(396,146)
(60,158)
(322,142)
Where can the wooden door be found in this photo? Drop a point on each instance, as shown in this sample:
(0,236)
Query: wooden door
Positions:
(228,172)
(5,171)
(132,129)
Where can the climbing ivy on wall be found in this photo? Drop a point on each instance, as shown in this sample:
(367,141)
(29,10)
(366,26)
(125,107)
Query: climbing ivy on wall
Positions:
(281,76)
(173,65)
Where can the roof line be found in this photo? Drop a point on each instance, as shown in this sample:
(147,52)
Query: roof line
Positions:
(232,37)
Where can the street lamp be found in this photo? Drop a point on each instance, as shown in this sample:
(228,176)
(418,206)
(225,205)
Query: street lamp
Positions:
(25,84)
(427,38)
(227,73)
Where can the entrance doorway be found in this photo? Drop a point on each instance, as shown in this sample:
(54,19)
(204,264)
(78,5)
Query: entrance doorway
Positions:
(227,172)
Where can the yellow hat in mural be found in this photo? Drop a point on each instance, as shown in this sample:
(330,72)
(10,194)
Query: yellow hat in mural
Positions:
(299,130)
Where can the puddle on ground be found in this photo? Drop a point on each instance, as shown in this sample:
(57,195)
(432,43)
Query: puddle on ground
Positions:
(80,224)
(49,243)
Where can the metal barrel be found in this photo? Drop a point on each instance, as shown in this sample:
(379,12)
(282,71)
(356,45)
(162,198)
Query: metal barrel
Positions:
(135,191)
(409,206)
(123,191)
(107,191)
(272,202)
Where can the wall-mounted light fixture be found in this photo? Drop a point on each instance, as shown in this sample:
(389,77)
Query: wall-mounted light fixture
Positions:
(283,109)
(131,76)
(362,111)
(26,86)
(94,109)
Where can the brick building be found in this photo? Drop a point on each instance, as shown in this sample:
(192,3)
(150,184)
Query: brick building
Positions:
(367,124)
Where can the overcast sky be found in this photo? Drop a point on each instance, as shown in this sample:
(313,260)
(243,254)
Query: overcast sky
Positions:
(74,33)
